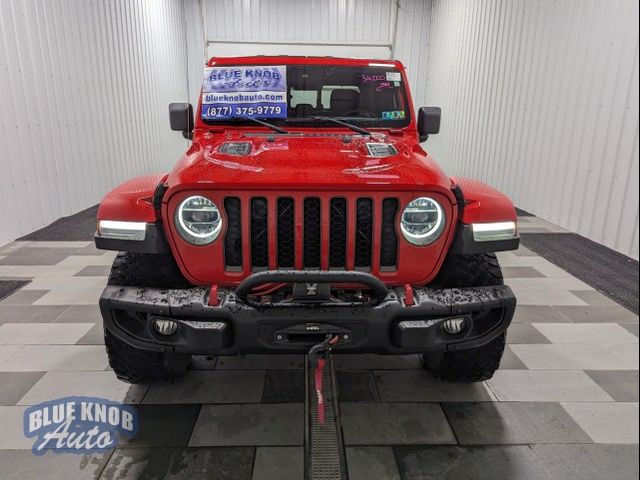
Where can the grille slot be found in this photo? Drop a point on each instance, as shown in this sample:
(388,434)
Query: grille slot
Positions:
(259,234)
(338,233)
(348,226)
(364,232)
(233,238)
(286,233)
(389,238)
(312,223)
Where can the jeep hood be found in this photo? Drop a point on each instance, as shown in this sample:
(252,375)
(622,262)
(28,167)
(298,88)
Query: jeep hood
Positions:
(314,161)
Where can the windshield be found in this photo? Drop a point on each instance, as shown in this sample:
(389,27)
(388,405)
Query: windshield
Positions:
(372,96)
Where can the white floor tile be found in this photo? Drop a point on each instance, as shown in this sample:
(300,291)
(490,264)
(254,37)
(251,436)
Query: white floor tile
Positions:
(585,333)
(7,350)
(84,384)
(43,333)
(578,357)
(35,271)
(85,260)
(42,358)
(545,386)
(608,422)
(68,244)
(12,429)
(527,296)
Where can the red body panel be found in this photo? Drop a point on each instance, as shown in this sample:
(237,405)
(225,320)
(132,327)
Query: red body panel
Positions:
(484,204)
(131,201)
(319,163)
(204,265)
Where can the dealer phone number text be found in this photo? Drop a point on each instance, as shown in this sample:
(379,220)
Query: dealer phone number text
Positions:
(244,111)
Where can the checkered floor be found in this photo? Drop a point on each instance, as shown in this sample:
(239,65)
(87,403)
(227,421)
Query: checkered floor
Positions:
(563,405)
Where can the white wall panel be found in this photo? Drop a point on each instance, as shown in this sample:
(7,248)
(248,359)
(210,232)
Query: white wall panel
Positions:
(351,28)
(317,21)
(540,99)
(84,89)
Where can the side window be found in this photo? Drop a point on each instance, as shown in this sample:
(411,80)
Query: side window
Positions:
(303,97)
(325,95)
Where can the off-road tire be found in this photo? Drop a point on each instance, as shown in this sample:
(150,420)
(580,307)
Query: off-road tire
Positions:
(146,270)
(134,365)
(474,364)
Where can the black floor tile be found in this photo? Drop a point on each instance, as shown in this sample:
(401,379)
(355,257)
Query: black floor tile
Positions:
(589,462)
(24,465)
(14,385)
(225,463)
(621,385)
(469,463)
(164,425)
(30,313)
(495,423)
(7,287)
(278,463)
(357,386)
(631,327)
(283,386)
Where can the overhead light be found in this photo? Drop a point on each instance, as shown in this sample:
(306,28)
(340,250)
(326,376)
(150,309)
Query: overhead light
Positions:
(491,232)
(122,230)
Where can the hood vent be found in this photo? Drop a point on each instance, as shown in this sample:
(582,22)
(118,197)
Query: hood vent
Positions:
(238,149)
(381,150)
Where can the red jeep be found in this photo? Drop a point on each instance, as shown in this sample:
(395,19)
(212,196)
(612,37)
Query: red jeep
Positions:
(305,209)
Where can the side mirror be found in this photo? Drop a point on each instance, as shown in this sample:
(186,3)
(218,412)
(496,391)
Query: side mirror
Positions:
(428,122)
(181,118)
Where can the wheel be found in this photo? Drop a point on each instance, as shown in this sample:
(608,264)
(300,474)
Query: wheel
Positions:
(146,270)
(134,365)
(474,364)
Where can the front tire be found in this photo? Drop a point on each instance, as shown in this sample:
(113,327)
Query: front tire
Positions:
(474,364)
(135,365)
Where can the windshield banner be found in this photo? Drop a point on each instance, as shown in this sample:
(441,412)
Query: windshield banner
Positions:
(244,92)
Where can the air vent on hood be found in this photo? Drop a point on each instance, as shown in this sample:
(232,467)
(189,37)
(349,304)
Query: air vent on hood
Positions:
(235,148)
(381,149)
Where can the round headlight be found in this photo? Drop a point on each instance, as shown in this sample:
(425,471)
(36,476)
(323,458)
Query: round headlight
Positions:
(198,220)
(422,221)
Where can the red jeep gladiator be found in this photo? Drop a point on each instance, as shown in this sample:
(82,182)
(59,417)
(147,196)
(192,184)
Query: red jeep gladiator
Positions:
(305,209)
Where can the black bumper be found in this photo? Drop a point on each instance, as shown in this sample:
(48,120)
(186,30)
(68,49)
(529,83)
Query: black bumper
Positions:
(235,326)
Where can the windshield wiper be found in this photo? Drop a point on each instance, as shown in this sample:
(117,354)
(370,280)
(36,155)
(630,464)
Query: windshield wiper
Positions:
(353,127)
(273,127)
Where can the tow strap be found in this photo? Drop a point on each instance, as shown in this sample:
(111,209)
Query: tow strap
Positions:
(324,450)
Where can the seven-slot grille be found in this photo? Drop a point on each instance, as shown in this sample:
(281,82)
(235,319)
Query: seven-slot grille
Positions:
(288,233)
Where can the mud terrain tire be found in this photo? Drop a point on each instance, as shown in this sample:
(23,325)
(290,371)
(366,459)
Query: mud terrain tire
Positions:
(134,365)
(474,364)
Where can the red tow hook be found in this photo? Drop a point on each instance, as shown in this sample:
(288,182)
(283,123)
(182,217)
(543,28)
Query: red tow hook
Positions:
(323,349)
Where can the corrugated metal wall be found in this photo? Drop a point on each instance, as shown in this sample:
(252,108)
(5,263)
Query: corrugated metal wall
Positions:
(84,89)
(379,28)
(540,99)
(316,21)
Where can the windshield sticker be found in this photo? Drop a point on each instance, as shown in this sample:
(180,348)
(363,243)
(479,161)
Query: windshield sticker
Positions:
(244,92)
(393,77)
(381,82)
(393,115)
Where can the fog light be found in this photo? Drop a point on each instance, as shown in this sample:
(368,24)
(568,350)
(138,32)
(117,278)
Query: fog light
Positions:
(453,326)
(165,327)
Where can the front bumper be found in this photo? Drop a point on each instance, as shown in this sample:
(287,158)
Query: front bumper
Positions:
(237,326)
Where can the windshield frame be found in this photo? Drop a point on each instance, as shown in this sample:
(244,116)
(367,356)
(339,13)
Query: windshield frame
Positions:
(313,122)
